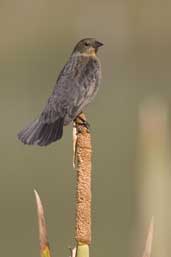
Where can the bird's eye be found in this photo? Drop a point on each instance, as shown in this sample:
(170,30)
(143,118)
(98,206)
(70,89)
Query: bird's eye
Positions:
(87,44)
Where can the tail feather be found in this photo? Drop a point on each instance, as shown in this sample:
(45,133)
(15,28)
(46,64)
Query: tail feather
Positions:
(42,134)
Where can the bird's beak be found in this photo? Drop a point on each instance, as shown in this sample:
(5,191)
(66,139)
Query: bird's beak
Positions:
(98,44)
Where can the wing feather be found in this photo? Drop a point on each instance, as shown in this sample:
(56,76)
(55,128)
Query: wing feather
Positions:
(75,87)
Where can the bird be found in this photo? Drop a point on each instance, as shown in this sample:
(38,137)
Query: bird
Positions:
(76,86)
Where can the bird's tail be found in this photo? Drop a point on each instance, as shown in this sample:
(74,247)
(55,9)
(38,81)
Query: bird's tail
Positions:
(42,134)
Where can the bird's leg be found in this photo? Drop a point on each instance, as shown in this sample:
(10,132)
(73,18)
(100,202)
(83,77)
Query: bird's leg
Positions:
(82,122)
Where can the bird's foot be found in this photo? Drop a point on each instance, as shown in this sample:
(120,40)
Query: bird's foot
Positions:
(84,123)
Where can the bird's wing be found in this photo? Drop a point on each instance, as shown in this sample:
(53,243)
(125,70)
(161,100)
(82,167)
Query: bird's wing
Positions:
(75,87)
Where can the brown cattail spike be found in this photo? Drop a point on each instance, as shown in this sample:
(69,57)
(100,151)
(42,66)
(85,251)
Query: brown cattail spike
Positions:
(83,153)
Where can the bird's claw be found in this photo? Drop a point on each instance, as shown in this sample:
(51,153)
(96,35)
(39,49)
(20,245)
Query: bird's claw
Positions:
(84,123)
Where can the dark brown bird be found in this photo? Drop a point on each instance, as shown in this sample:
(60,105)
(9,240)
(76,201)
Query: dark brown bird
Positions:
(76,86)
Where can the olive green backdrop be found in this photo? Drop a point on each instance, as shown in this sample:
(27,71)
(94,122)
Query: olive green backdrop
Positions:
(36,38)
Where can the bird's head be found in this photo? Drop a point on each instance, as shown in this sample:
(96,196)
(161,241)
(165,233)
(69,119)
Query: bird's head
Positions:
(87,46)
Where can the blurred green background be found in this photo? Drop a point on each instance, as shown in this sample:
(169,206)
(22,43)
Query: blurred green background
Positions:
(36,38)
